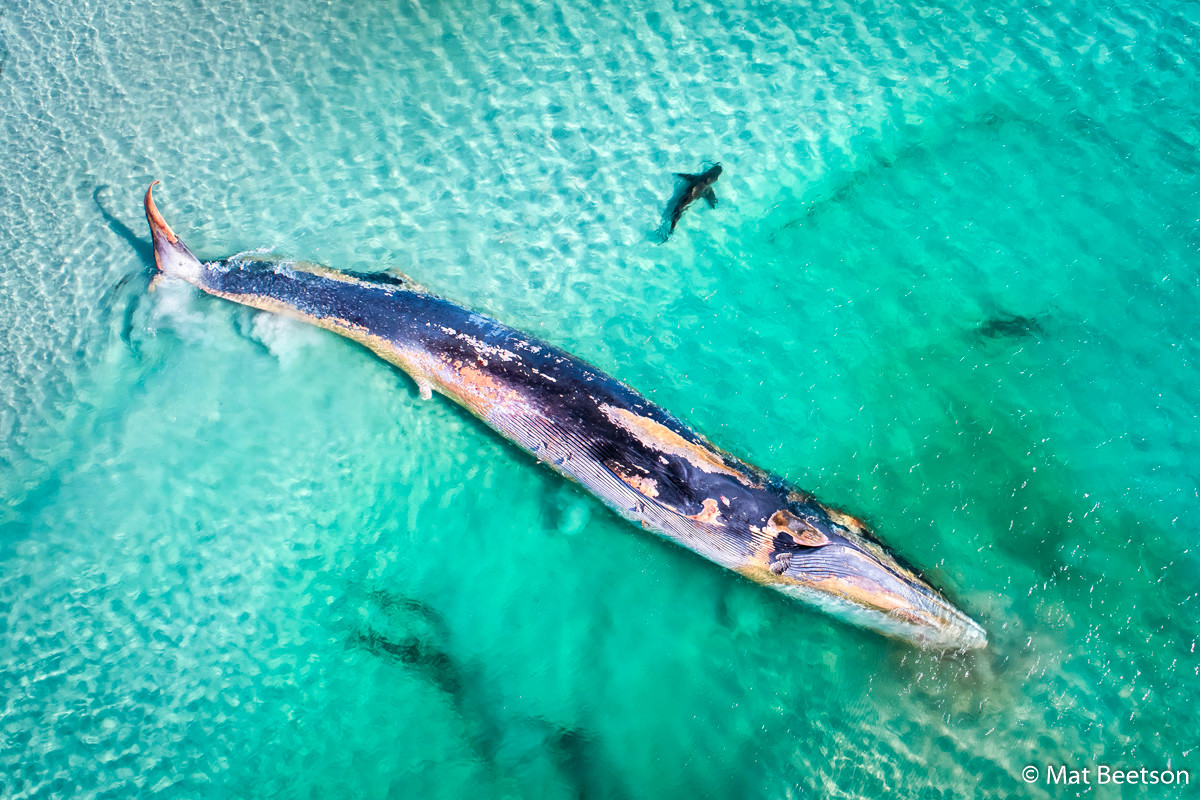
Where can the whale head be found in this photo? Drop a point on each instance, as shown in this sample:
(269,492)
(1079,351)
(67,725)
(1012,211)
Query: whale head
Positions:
(834,562)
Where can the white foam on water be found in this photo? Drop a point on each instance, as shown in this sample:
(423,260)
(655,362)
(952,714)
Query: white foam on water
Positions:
(286,338)
(178,306)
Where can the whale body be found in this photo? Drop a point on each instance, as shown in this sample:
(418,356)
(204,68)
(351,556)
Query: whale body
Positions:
(638,459)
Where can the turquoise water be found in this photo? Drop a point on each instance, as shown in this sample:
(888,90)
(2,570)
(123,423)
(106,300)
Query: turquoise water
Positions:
(951,285)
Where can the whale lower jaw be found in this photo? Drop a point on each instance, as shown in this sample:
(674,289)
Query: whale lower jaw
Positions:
(946,629)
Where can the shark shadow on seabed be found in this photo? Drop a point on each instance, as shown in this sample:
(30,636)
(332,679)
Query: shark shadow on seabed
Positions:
(1009,326)
(877,160)
(412,634)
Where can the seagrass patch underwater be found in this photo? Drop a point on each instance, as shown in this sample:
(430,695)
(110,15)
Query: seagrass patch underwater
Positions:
(950,285)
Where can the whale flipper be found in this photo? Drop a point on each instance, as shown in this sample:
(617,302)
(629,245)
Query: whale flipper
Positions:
(711,197)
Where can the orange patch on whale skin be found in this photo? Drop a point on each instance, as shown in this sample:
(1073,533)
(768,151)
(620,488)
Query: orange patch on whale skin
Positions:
(760,574)
(659,437)
(477,381)
(710,515)
(474,388)
(800,530)
(864,592)
(645,486)
(845,520)
(758,563)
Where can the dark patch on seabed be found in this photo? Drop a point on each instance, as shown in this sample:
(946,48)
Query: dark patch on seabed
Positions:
(410,633)
(885,158)
(3,53)
(1002,457)
(1009,326)
(21,517)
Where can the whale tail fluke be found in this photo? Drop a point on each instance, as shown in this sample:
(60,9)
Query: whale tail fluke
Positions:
(171,255)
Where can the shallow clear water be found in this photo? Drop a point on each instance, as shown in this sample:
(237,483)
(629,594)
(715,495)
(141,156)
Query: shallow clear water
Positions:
(951,285)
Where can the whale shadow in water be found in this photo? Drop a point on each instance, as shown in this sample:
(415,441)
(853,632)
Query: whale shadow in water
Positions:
(132,286)
(141,246)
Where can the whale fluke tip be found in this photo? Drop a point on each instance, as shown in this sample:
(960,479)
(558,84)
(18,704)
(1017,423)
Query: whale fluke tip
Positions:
(155,218)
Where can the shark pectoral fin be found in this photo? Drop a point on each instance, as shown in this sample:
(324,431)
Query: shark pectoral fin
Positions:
(711,197)
(687,177)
